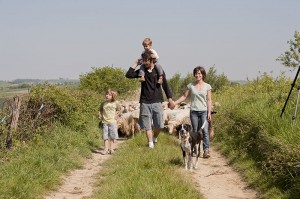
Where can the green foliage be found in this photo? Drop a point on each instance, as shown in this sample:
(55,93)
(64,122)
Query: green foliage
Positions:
(36,166)
(101,79)
(216,81)
(70,107)
(20,86)
(178,84)
(175,83)
(45,106)
(189,78)
(249,128)
(291,58)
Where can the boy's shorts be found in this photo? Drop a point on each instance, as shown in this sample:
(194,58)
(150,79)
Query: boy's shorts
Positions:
(109,131)
(151,112)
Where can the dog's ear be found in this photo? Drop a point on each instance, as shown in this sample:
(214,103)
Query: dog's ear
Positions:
(178,128)
(188,127)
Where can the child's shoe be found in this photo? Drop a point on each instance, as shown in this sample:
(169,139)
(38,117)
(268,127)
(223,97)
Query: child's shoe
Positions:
(111,151)
(104,152)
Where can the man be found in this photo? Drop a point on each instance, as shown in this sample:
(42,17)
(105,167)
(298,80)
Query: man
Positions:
(151,97)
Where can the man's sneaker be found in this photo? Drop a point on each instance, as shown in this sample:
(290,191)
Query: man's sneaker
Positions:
(206,154)
(151,145)
(154,140)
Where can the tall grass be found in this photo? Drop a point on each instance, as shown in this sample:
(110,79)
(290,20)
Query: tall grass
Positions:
(136,171)
(31,169)
(250,131)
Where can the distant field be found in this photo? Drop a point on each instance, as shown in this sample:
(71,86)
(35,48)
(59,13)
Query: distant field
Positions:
(4,84)
(10,94)
(9,90)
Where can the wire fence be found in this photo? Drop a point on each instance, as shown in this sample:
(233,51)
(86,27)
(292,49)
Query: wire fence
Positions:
(20,120)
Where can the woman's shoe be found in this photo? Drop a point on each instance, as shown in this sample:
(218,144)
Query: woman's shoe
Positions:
(206,154)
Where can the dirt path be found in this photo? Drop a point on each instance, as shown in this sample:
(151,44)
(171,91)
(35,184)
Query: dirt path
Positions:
(79,183)
(217,180)
(214,179)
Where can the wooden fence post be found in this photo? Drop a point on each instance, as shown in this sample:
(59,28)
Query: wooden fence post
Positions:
(14,120)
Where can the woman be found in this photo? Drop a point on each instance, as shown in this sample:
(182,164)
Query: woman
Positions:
(199,93)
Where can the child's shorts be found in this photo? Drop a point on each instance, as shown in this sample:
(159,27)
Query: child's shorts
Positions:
(109,131)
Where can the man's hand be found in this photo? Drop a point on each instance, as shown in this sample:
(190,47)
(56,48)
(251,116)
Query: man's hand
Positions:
(136,63)
(171,104)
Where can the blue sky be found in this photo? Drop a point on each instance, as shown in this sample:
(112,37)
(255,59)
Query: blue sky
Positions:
(49,39)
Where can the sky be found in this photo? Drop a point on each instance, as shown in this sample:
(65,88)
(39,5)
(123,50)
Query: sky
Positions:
(50,39)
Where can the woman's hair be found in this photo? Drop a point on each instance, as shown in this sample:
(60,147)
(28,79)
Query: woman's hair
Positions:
(112,93)
(201,69)
(147,41)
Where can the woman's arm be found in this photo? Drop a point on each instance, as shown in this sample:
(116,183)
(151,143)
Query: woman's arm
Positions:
(182,98)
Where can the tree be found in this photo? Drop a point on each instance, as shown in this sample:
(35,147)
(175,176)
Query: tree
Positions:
(101,79)
(216,81)
(179,85)
(175,85)
(291,58)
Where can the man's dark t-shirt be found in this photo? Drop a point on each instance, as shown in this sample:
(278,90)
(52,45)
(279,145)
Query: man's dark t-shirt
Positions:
(151,90)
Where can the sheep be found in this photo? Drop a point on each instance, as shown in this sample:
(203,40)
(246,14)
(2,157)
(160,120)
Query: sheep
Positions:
(174,118)
(181,115)
(128,123)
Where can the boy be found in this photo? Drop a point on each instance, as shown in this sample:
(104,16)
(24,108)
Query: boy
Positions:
(147,44)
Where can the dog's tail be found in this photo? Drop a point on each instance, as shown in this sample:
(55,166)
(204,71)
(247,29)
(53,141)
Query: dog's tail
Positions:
(204,123)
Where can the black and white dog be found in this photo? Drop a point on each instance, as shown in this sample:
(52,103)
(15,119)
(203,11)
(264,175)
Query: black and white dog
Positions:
(185,144)
(188,142)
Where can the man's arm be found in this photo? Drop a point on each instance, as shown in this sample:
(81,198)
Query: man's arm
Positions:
(167,89)
(131,73)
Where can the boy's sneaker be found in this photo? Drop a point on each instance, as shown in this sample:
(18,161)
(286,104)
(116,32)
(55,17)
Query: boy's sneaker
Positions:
(142,79)
(111,151)
(206,154)
(104,152)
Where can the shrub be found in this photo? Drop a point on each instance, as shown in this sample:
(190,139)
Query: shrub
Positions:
(101,79)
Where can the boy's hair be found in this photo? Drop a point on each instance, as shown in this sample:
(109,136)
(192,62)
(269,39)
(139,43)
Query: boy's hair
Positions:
(113,94)
(147,41)
(202,70)
(147,55)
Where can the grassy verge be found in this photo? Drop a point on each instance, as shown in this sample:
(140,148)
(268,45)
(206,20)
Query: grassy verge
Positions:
(30,169)
(135,171)
(258,142)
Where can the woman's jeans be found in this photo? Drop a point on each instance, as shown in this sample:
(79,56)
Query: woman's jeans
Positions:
(197,120)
